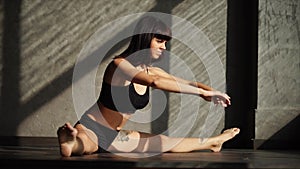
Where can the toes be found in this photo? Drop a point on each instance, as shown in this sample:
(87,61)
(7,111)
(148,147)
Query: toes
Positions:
(236,130)
(63,128)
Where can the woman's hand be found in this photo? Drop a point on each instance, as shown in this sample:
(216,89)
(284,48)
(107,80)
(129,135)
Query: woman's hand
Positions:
(217,97)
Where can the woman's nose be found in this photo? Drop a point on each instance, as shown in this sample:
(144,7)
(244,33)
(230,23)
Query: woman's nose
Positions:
(163,46)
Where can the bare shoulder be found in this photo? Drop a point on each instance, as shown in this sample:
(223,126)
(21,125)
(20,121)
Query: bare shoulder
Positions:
(112,75)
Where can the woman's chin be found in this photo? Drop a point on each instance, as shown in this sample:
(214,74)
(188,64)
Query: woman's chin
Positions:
(156,57)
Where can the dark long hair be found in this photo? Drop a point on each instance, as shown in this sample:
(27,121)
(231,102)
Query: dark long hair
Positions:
(146,29)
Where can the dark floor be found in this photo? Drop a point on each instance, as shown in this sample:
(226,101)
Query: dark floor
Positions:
(48,157)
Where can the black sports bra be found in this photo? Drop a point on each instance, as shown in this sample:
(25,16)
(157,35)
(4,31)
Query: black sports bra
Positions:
(122,98)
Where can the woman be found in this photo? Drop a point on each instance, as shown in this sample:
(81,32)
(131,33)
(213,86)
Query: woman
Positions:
(125,89)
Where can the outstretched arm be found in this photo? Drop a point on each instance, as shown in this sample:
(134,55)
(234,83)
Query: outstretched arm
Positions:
(210,94)
(159,79)
(161,72)
(155,79)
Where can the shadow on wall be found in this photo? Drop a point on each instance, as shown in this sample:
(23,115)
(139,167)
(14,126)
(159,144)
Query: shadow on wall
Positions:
(14,112)
(11,108)
(286,138)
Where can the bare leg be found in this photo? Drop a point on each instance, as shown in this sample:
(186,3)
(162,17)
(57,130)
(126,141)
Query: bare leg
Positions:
(79,141)
(218,141)
(76,141)
(132,141)
(213,143)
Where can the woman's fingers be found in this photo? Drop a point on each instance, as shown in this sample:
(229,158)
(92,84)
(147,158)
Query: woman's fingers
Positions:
(222,100)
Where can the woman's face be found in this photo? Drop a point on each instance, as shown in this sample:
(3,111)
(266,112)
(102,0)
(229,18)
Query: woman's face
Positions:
(157,47)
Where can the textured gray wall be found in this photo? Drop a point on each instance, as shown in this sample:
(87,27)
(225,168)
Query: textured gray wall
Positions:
(278,67)
(40,42)
(36,96)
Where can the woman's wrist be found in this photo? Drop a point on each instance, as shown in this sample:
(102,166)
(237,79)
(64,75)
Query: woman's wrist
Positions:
(202,92)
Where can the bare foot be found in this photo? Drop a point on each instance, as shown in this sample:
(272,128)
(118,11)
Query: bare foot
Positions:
(67,139)
(225,136)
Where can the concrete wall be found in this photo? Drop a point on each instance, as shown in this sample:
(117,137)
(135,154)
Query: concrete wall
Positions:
(41,41)
(278,103)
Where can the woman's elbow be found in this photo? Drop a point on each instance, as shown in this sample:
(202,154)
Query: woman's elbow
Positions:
(154,81)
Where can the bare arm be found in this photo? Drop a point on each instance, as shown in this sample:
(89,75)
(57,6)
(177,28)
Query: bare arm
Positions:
(210,94)
(160,79)
(157,81)
(161,72)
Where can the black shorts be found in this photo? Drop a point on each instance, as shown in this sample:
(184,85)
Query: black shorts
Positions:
(105,135)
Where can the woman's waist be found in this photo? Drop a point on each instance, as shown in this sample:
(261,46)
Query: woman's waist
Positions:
(108,117)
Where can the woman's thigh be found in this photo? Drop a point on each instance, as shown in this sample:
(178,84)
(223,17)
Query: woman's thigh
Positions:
(134,141)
